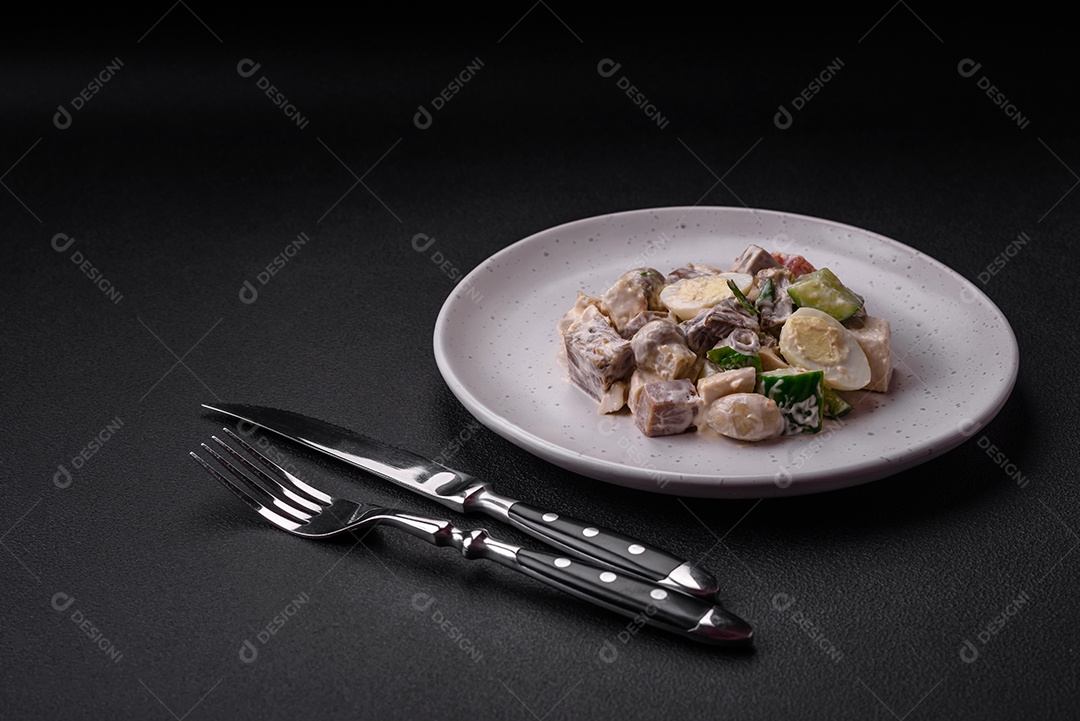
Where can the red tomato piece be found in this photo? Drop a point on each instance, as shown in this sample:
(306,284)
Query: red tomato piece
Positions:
(795,263)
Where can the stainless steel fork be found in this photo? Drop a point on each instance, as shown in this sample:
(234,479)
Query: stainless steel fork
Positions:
(294,506)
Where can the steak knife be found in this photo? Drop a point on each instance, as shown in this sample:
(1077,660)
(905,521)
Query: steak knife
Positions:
(466,494)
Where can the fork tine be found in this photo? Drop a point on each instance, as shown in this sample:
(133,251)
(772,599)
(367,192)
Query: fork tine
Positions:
(279,521)
(261,493)
(242,494)
(270,480)
(315,493)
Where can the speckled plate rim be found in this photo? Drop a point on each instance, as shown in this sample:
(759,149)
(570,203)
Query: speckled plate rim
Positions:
(706,485)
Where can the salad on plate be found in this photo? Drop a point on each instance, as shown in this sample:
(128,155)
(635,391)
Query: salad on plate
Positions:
(764,349)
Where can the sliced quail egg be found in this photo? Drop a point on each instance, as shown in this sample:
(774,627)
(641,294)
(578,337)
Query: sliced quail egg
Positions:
(814,340)
(745,417)
(686,298)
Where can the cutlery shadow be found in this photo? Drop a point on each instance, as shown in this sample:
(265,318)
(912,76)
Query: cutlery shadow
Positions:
(481,584)
(415,565)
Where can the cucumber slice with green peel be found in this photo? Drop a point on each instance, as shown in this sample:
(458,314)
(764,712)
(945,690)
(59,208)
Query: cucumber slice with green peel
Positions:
(835,405)
(798,394)
(727,358)
(823,291)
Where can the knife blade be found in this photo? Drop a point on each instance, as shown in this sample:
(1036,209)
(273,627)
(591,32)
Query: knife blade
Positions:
(467,494)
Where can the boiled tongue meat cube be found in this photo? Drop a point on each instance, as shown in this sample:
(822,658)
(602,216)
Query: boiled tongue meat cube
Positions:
(640,320)
(754,259)
(691,270)
(667,407)
(597,356)
(712,325)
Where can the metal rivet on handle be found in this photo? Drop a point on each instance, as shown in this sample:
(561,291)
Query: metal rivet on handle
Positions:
(590,532)
(636,549)
(658,593)
(607,576)
(562,562)
(549,517)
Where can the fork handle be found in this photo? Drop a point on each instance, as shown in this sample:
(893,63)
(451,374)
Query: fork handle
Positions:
(608,548)
(643,601)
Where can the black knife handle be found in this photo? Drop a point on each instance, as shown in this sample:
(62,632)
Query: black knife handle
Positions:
(609,548)
(645,602)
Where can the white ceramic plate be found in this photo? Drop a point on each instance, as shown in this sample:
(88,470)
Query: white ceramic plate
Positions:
(496,345)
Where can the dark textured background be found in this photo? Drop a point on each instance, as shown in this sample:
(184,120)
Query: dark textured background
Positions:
(180,180)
